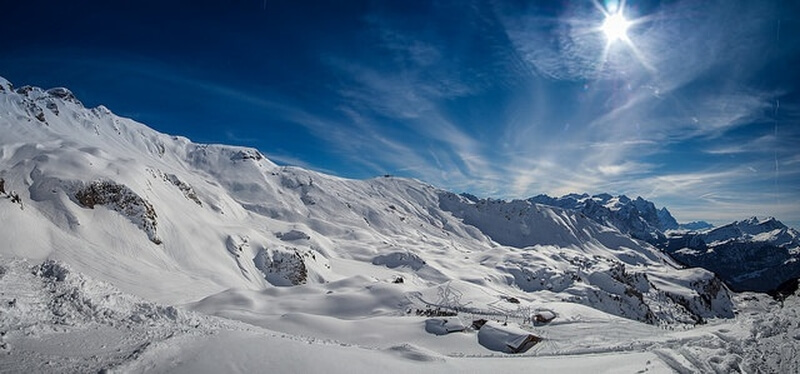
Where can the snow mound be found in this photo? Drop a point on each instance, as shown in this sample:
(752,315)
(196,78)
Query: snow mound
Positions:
(397,259)
(506,338)
(42,298)
(444,326)
(414,353)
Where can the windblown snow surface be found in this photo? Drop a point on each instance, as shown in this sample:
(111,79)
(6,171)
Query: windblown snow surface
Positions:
(129,250)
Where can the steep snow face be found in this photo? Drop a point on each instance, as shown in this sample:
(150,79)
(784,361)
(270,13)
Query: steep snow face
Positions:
(638,218)
(522,223)
(750,255)
(174,221)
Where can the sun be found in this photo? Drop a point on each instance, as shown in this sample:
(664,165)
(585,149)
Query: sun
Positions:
(615,27)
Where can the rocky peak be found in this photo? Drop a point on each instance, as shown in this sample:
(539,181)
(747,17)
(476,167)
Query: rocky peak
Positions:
(63,94)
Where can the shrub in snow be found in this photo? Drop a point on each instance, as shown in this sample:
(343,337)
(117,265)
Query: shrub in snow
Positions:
(437,312)
(123,200)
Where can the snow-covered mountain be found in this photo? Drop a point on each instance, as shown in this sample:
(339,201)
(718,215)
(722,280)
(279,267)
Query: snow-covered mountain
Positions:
(750,255)
(695,226)
(638,217)
(127,204)
(224,231)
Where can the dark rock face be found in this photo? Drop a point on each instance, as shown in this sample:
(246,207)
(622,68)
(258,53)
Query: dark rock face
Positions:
(247,154)
(750,255)
(292,235)
(187,190)
(63,94)
(282,267)
(35,111)
(123,200)
(785,289)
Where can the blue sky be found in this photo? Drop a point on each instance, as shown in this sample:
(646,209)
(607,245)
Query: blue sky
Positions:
(698,109)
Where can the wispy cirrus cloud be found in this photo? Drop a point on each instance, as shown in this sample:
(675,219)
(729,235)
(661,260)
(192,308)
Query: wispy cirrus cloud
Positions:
(502,99)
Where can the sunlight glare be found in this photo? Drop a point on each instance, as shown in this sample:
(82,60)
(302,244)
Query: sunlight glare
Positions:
(615,27)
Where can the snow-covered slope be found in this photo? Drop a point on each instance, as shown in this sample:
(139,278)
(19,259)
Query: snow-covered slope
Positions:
(174,221)
(750,255)
(54,319)
(115,236)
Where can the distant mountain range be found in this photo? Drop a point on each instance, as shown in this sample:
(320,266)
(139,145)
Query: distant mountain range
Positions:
(749,255)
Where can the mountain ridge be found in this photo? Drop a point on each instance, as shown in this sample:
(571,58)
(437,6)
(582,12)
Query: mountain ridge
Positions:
(124,203)
(754,254)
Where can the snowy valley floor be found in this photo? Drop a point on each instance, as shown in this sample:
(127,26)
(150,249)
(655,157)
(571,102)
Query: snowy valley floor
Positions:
(54,320)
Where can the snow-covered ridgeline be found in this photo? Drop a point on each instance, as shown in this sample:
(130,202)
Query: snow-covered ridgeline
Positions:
(176,221)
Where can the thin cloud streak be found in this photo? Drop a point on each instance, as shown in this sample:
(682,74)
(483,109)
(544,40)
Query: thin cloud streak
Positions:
(511,100)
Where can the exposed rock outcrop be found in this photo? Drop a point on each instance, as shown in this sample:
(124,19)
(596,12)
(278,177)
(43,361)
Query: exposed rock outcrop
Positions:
(282,267)
(123,200)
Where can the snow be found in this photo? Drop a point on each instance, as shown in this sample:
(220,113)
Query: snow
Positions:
(756,254)
(505,338)
(444,326)
(55,319)
(258,267)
